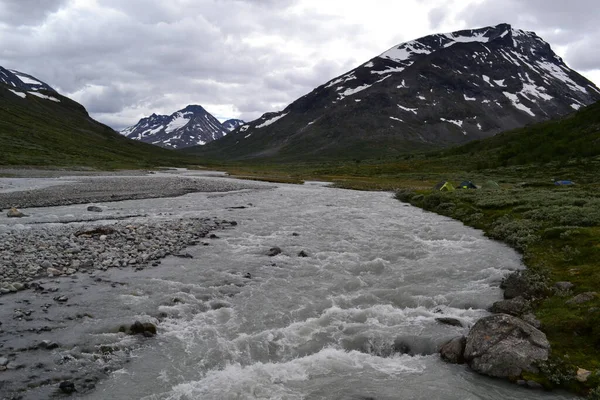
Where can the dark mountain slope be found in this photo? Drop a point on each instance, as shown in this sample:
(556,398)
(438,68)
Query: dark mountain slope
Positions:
(432,92)
(38,126)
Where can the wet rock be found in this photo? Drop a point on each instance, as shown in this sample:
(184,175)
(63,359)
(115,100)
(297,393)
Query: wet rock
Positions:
(47,345)
(515,306)
(61,299)
(453,350)
(273,251)
(14,213)
(213,236)
(3,361)
(67,387)
(449,321)
(183,255)
(295,234)
(146,329)
(248,275)
(515,285)
(582,298)
(302,254)
(504,346)
(94,209)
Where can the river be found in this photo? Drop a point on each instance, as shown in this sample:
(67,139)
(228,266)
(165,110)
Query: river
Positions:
(353,319)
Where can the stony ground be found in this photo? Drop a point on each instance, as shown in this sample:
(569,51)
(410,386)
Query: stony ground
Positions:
(46,270)
(116,188)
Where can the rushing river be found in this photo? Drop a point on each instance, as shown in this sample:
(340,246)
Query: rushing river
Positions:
(355,319)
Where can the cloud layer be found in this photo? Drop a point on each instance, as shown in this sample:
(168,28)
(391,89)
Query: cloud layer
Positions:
(241,58)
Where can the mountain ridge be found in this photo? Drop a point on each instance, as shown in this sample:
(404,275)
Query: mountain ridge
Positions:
(190,126)
(435,91)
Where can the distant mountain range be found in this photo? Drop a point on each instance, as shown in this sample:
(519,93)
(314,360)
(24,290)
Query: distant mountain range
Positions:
(39,126)
(436,91)
(191,126)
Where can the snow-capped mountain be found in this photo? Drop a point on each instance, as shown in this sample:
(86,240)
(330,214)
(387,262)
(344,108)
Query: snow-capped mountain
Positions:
(190,126)
(232,124)
(435,91)
(23,85)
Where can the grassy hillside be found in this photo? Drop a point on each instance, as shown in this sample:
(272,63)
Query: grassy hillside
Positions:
(555,228)
(40,132)
(575,136)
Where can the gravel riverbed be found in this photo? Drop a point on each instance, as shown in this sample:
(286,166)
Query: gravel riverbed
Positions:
(53,268)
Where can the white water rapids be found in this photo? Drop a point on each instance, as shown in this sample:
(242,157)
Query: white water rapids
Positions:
(353,320)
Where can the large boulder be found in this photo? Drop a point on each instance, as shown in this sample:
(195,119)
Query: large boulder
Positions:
(504,346)
(453,350)
(516,306)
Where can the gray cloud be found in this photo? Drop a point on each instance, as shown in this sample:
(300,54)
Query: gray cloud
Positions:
(238,58)
(27,12)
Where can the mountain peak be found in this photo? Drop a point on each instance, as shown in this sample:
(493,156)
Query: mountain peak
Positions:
(190,126)
(435,91)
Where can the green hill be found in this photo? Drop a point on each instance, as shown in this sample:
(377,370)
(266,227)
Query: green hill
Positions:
(39,132)
(575,136)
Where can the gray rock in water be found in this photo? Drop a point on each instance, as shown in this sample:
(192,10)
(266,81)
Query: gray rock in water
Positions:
(582,298)
(449,321)
(3,361)
(67,387)
(504,346)
(273,251)
(516,306)
(453,350)
(94,209)
(14,213)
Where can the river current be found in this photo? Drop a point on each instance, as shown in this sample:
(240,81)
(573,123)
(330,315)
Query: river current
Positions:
(354,319)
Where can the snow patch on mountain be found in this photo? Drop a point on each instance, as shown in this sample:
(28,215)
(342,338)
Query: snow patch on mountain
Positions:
(42,96)
(271,121)
(517,104)
(20,94)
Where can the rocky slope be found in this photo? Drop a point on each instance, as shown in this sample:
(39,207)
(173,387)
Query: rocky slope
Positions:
(190,126)
(435,91)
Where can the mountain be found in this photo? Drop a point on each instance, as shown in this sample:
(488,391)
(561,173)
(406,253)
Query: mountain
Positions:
(190,126)
(432,92)
(232,124)
(41,127)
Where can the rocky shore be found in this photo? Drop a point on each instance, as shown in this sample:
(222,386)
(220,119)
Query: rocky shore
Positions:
(53,274)
(509,343)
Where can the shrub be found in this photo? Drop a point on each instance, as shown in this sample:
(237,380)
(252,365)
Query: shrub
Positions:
(520,233)
(404,195)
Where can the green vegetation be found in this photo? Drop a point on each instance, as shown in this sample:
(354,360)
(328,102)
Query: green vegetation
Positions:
(556,228)
(39,132)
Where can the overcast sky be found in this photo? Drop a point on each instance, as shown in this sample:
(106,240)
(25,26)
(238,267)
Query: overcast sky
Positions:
(125,59)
